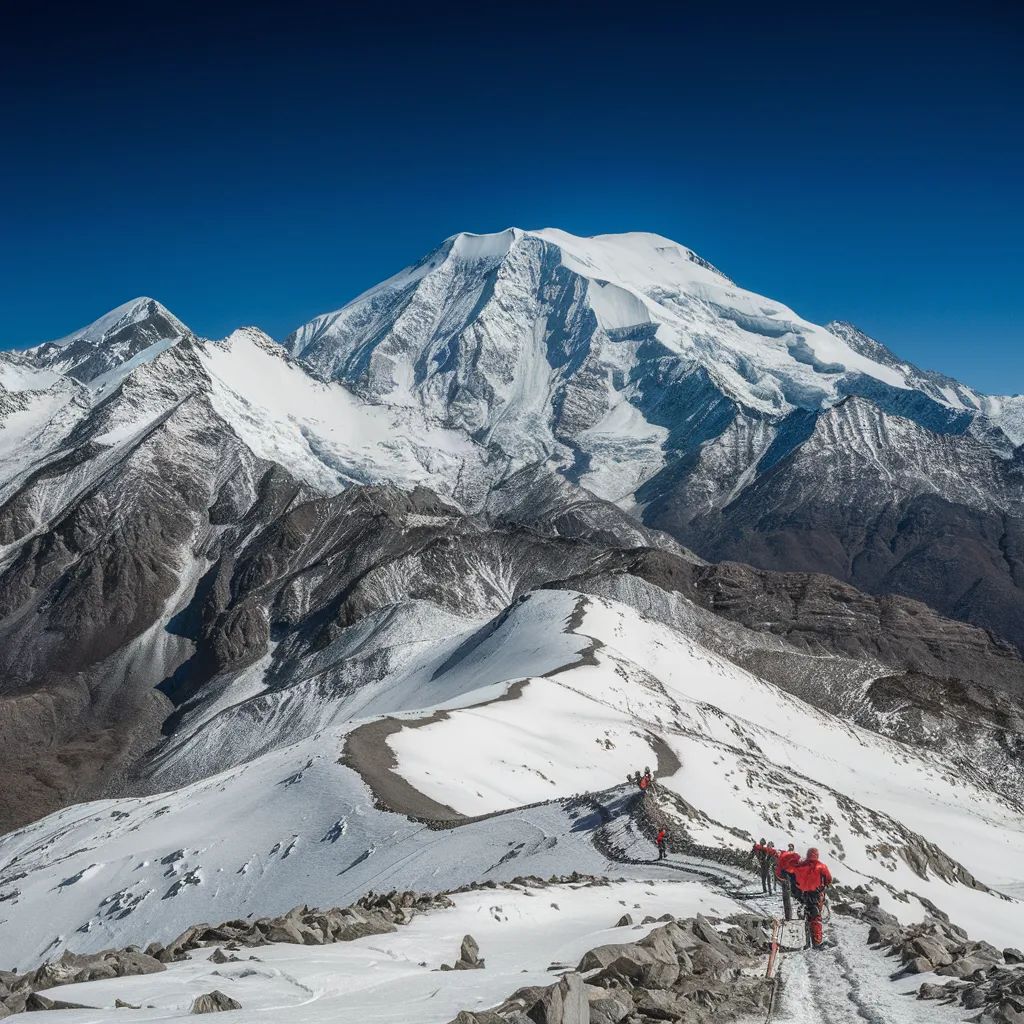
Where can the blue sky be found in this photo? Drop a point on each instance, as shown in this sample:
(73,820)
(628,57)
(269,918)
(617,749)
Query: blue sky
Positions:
(261,165)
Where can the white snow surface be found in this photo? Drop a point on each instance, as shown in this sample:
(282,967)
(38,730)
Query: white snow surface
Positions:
(321,431)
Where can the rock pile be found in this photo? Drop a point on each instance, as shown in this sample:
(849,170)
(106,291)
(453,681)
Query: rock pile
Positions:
(690,971)
(373,914)
(980,977)
(18,991)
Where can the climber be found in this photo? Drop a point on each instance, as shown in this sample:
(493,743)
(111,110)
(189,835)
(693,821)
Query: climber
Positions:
(772,857)
(648,779)
(759,855)
(783,873)
(810,878)
(662,842)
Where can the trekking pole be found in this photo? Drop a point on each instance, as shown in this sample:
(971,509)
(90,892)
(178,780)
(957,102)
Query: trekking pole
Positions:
(770,973)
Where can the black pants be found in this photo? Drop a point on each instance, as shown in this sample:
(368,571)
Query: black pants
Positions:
(787,897)
(812,903)
(767,876)
(662,853)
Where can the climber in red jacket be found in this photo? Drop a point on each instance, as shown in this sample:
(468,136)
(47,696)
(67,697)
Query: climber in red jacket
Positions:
(810,878)
(662,842)
(784,864)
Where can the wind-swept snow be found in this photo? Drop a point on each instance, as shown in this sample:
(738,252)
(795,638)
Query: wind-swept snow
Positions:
(321,431)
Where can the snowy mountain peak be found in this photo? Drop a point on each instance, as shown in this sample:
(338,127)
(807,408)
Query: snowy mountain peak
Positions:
(111,346)
(134,312)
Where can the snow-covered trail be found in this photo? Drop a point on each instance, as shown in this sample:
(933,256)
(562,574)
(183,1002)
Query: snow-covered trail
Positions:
(850,984)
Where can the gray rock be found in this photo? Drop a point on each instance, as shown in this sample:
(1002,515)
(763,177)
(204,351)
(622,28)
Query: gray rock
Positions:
(214,1002)
(281,929)
(884,935)
(930,948)
(655,966)
(964,967)
(1013,956)
(974,998)
(36,1001)
(563,1003)
(609,1006)
(469,954)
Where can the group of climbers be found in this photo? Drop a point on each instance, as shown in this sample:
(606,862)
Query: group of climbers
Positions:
(645,784)
(801,878)
(642,782)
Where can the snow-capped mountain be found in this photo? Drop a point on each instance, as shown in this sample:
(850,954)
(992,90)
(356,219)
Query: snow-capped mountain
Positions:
(642,373)
(466,520)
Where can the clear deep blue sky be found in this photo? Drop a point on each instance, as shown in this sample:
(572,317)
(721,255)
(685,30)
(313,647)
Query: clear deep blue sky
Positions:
(262,166)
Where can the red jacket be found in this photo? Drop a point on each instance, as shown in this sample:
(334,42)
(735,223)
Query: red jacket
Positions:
(786,861)
(662,836)
(811,874)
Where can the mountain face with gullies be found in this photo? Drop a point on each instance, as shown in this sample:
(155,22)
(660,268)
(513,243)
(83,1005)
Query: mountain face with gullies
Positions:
(592,477)
(644,375)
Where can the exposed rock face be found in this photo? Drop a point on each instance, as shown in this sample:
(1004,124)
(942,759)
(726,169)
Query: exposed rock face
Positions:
(949,533)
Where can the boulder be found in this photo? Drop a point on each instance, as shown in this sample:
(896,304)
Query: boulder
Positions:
(14,1003)
(563,1003)
(654,966)
(469,955)
(281,929)
(930,948)
(176,948)
(919,965)
(40,1002)
(659,1005)
(974,998)
(609,1005)
(964,967)
(884,935)
(214,1002)
(1013,956)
